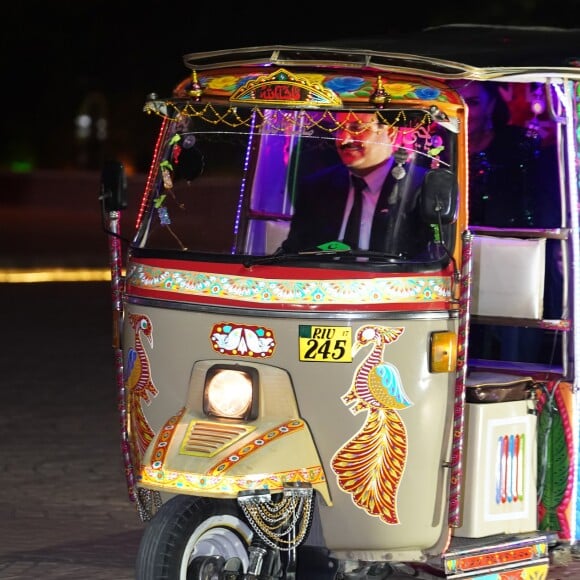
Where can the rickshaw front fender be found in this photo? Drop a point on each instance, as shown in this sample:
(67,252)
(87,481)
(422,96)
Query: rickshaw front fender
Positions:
(198,455)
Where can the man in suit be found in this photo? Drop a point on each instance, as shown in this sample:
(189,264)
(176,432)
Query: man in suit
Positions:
(375,169)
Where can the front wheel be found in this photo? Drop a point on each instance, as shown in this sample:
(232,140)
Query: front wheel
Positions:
(192,537)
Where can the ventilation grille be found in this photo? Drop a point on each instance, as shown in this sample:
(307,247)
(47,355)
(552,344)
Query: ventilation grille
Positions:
(207,439)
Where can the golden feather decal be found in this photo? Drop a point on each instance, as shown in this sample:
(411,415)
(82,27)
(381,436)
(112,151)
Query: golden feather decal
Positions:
(140,387)
(371,464)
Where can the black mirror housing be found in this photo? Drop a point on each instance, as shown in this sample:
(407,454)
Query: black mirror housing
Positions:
(439,197)
(113,186)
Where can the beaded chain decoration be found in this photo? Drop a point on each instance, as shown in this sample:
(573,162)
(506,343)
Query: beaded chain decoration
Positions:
(148,503)
(282,524)
(275,121)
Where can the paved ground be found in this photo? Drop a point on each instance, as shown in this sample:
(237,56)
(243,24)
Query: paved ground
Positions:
(64,509)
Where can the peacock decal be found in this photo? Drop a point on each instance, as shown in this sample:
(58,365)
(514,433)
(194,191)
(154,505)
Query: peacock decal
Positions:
(370,465)
(139,385)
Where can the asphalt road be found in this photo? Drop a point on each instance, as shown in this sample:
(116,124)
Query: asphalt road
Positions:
(64,507)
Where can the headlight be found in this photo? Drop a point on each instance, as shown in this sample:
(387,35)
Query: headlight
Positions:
(231,392)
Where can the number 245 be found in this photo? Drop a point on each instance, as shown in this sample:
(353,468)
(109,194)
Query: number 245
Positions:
(333,349)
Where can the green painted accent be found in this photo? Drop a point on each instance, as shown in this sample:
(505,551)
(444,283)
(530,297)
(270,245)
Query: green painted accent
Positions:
(552,447)
(335,246)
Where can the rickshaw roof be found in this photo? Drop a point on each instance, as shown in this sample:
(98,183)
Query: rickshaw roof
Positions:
(450,51)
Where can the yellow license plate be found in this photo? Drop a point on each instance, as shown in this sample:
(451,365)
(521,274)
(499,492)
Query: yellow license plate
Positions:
(325,343)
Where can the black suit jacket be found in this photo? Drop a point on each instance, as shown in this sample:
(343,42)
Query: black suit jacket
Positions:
(320,201)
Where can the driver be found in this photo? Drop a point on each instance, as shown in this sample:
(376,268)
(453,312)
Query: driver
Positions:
(369,200)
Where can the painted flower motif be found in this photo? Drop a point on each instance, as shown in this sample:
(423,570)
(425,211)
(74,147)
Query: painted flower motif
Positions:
(227,83)
(428,93)
(399,89)
(342,85)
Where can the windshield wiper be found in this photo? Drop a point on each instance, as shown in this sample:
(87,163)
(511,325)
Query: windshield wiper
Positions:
(327,250)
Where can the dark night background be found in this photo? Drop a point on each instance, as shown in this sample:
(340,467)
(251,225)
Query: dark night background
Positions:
(61,57)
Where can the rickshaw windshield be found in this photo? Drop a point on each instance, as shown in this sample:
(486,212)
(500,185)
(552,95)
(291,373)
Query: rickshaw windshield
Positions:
(236,181)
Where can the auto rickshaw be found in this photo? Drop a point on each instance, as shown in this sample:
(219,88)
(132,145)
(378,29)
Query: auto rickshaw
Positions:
(315,412)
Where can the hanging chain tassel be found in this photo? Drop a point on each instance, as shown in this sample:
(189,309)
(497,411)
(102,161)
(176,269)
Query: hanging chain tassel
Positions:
(284,523)
(148,503)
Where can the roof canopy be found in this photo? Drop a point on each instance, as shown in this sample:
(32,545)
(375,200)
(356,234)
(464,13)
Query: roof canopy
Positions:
(454,50)
(484,46)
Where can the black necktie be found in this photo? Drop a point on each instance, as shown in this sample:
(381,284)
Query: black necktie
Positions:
(352,231)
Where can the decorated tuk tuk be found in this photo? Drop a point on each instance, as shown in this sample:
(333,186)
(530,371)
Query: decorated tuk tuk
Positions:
(313,410)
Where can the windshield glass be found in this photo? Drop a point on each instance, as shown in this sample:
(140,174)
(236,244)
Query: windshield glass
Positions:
(256,182)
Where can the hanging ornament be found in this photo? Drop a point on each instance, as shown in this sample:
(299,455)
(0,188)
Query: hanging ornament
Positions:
(398,170)
(195,91)
(380,96)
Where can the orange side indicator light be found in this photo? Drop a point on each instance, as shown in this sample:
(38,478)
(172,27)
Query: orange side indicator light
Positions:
(443,356)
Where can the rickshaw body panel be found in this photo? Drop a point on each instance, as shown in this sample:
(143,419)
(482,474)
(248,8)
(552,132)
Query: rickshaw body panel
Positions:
(305,398)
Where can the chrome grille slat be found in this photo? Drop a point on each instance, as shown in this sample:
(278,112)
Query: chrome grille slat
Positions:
(207,438)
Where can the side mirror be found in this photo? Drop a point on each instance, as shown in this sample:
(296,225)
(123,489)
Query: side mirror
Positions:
(113,193)
(439,197)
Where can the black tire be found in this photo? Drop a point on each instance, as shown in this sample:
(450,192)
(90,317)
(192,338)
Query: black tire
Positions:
(187,527)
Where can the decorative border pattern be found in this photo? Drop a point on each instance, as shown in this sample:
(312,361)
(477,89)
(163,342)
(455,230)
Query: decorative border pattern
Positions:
(498,558)
(346,86)
(402,290)
(220,484)
(258,443)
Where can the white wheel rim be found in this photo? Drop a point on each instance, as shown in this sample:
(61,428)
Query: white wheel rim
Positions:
(224,536)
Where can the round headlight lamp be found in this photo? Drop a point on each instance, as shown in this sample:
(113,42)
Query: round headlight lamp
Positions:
(231,392)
